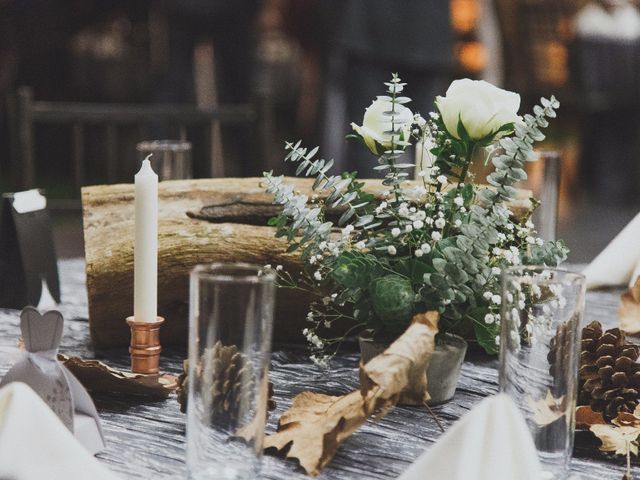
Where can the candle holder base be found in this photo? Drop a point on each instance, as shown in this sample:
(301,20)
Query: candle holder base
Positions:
(145,345)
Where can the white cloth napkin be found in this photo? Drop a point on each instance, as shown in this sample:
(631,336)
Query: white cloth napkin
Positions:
(491,442)
(618,263)
(623,23)
(35,444)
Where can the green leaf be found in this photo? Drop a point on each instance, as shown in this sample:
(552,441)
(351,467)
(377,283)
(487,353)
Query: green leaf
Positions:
(439,264)
(486,336)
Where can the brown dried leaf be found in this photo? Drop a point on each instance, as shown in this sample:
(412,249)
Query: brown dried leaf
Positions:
(311,430)
(315,425)
(629,311)
(585,417)
(547,410)
(401,370)
(96,376)
(619,440)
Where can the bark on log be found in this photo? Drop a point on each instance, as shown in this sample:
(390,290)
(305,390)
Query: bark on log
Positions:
(184,241)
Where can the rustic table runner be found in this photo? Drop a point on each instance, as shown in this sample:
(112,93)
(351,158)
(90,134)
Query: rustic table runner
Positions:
(146,439)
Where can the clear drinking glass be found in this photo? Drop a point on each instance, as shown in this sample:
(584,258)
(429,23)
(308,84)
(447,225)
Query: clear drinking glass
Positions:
(170,159)
(542,310)
(231,318)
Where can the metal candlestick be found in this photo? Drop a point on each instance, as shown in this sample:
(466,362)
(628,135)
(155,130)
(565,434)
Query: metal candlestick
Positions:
(145,345)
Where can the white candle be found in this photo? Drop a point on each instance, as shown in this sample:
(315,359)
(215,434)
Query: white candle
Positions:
(145,298)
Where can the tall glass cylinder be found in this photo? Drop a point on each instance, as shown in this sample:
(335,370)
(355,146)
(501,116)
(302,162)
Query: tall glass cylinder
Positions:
(541,319)
(231,318)
(171,159)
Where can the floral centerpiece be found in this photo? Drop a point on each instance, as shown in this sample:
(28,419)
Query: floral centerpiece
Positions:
(440,245)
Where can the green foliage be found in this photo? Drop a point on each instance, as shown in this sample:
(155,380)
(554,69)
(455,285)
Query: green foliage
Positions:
(392,298)
(438,248)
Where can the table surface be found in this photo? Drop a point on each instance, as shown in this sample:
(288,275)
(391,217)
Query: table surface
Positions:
(145,439)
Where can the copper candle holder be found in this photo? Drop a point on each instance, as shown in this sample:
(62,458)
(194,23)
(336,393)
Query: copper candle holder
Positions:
(145,345)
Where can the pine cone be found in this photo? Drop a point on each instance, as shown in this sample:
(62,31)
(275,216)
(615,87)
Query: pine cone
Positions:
(609,377)
(233,385)
(559,351)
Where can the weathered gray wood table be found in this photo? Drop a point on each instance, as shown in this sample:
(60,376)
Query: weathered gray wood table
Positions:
(146,439)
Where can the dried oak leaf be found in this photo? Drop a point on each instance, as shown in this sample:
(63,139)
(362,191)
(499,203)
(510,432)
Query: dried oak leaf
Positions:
(619,440)
(315,425)
(629,311)
(311,430)
(401,370)
(547,410)
(99,377)
(585,417)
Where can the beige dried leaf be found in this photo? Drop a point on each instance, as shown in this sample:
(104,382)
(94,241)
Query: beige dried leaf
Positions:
(547,410)
(619,440)
(315,425)
(401,370)
(629,311)
(311,430)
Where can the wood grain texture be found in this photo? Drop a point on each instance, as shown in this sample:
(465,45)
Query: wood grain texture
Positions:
(146,440)
(185,241)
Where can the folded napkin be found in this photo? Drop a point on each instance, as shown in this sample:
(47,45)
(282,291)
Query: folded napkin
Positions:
(618,263)
(491,442)
(36,445)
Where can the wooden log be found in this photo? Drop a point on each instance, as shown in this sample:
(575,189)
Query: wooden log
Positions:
(185,241)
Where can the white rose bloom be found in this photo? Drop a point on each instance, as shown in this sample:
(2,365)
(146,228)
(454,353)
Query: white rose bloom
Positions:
(482,107)
(375,123)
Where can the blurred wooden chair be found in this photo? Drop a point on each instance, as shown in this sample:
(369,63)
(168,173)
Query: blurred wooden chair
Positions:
(25,113)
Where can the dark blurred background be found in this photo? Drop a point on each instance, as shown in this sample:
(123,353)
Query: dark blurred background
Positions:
(306,69)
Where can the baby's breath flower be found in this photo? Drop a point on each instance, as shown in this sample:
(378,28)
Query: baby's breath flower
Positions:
(489,318)
(426,248)
(496,299)
(458,201)
(391,250)
(440,223)
(418,224)
(487,295)
(408,227)
(435,236)
(442,180)
(418,253)
(317,275)
(395,232)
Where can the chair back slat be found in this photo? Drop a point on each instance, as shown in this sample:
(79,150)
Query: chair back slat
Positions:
(25,113)
(77,152)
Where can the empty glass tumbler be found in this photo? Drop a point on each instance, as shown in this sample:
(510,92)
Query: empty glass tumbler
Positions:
(542,310)
(170,159)
(231,318)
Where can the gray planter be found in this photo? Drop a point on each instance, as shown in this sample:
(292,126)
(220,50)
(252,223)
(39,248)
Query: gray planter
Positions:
(443,371)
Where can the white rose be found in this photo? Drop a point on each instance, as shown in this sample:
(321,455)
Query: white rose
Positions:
(482,107)
(377,123)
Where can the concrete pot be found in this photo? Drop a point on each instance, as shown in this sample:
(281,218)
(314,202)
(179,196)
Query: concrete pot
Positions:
(444,368)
